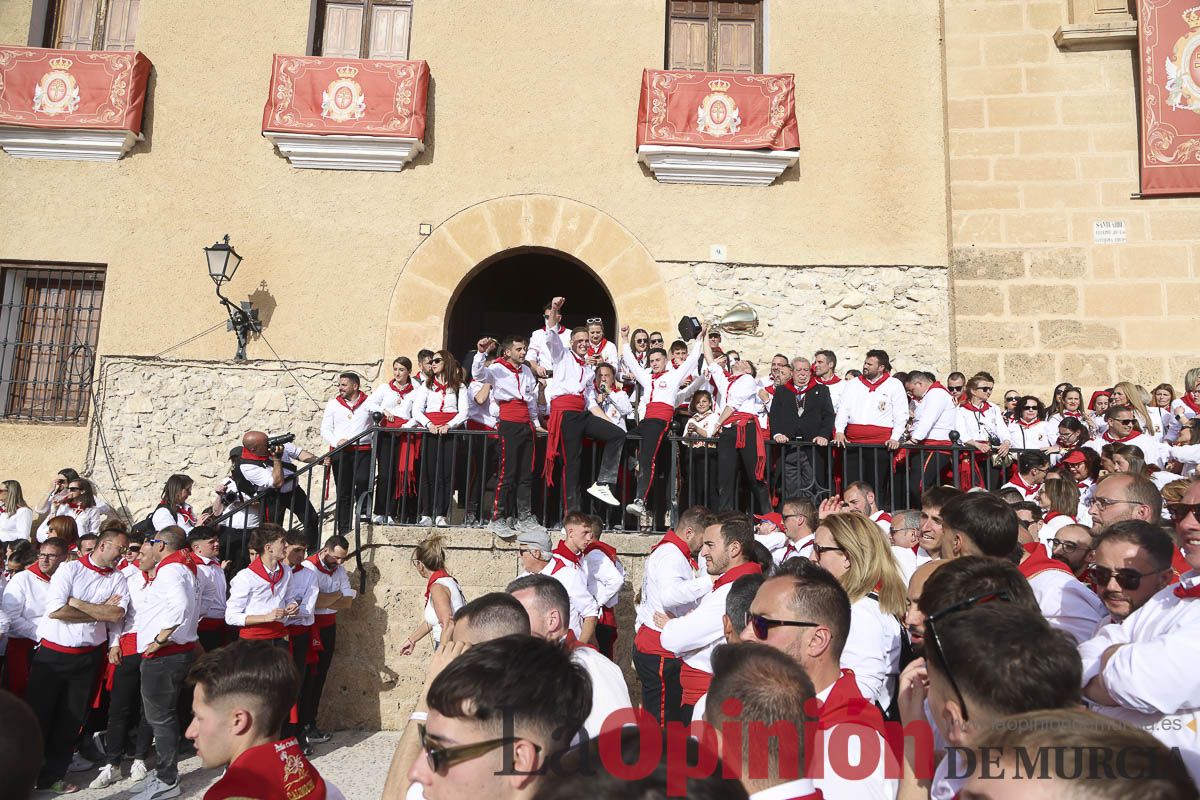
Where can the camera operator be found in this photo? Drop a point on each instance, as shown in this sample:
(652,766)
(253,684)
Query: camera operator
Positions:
(252,475)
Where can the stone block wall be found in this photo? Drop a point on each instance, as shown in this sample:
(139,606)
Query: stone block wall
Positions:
(847,309)
(1043,144)
(160,416)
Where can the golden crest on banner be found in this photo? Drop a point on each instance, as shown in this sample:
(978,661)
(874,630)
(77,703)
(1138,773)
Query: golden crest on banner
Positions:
(57,92)
(1183,67)
(343,100)
(718,113)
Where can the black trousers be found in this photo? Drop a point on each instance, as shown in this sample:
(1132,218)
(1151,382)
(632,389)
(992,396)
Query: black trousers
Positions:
(653,432)
(515,493)
(352,472)
(872,464)
(60,692)
(925,468)
(482,462)
(162,682)
(796,474)
(125,712)
(314,677)
(437,460)
(575,426)
(300,644)
(662,694)
(387,449)
(700,469)
(302,509)
(728,456)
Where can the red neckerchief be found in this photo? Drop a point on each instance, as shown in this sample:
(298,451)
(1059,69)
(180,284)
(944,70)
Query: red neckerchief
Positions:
(1189,402)
(732,574)
(1039,562)
(572,643)
(1024,487)
(564,551)
(315,560)
(75,506)
(799,390)
(1027,425)
(37,572)
(437,387)
(673,538)
(3,509)
(1131,435)
(986,405)
(87,562)
(248,456)
(186,512)
(598,349)
(434,578)
(656,375)
(1075,414)
(1056,515)
(362,398)
(845,703)
(408,387)
(184,557)
(1187,594)
(873,385)
(272,771)
(508,365)
(827,381)
(559,330)
(256,566)
(603,547)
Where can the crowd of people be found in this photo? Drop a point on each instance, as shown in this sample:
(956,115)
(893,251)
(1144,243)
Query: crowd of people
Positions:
(128,642)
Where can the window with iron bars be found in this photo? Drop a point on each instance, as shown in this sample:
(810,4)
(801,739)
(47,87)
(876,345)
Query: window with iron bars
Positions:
(49,324)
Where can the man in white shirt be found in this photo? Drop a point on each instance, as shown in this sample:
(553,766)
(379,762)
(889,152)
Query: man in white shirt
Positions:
(1143,669)
(567,566)
(210,577)
(84,596)
(302,590)
(334,596)
(800,521)
(548,606)
(538,353)
(672,583)
(936,416)
(1131,562)
(1124,496)
(257,601)
(1122,429)
(167,640)
(535,557)
(860,497)
(258,468)
(873,411)
(605,579)
(24,604)
(824,371)
(347,418)
(727,546)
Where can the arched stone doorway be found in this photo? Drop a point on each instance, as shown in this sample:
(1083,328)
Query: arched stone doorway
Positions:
(502,297)
(423,301)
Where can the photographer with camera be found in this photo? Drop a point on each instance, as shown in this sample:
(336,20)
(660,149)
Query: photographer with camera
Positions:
(269,464)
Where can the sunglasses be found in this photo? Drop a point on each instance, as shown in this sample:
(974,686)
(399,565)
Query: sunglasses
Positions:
(985,388)
(656,341)
(762,625)
(435,361)
(931,634)
(954,389)
(639,341)
(442,758)
(595,321)
(74,488)
(818,549)
(1011,399)
(1127,577)
(154,541)
(1180,511)
(1122,420)
(1029,408)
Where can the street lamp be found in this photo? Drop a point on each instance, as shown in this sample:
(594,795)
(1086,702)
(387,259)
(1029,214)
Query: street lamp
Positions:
(223,262)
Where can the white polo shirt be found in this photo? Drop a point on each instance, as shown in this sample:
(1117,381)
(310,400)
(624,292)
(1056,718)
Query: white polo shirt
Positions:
(84,581)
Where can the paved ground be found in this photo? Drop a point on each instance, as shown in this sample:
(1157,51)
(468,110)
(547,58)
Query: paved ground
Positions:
(356,762)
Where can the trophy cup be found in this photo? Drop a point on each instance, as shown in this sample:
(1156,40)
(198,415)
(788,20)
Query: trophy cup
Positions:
(741,319)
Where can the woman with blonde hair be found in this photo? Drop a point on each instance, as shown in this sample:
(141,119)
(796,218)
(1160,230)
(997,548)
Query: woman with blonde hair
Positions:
(1126,394)
(443,596)
(851,548)
(16,517)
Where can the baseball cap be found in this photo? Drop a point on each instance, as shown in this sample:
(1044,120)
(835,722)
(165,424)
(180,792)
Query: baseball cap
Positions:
(774,518)
(535,540)
(1074,457)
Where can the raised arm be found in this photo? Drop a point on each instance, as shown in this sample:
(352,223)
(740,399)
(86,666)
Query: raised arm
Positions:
(553,341)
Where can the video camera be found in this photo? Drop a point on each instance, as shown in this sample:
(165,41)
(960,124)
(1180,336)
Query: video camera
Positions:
(280,440)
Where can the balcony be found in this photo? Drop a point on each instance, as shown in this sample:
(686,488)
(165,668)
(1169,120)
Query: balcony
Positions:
(717,127)
(347,113)
(77,105)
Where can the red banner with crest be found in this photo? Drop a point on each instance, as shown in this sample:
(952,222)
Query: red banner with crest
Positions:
(1169,67)
(718,109)
(367,97)
(96,90)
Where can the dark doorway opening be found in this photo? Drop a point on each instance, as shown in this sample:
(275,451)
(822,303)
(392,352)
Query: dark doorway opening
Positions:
(506,296)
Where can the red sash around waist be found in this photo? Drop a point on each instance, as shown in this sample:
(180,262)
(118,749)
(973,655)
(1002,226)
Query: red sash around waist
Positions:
(514,411)
(62,648)
(475,425)
(440,417)
(324,621)
(128,644)
(649,641)
(694,682)
(559,406)
(264,630)
(741,420)
(868,434)
(211,624)
(663,412)
(172,649)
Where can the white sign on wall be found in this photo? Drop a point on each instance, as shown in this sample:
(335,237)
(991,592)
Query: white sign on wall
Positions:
(1109,232)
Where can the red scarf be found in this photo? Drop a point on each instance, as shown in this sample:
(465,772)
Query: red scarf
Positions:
(564,551)
(1057,514)
(362,398)
(1187,594)
(1075,414)
(1026,489)
(256,566)
(185,557)
(1190,403)
(315,560)
(248,456)
(1027,425)
(732,574)
(1131,435)
(827,381)
(1038,562)
(508,365)
(37,572)
(87,562)
(434,578)
(673,538)
(598,349)
(408,387)
(967,405)
(437,387)
(603,547)
(572,644)
(272,771)
(875,384)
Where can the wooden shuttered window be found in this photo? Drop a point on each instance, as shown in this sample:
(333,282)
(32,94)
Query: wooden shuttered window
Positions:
(364,28)
(713,36)
(95,24)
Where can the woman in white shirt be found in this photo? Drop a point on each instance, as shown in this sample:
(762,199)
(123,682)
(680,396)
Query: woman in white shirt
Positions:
(848,544)
(16,518)
(440,406)
(443,596)
(981,426)
(80,506)
(700,457)
(1028,431)
(173,508)
(1072,408)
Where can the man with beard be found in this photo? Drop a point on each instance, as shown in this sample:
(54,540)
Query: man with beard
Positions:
(914,618)
(1072,545)
(1130,564)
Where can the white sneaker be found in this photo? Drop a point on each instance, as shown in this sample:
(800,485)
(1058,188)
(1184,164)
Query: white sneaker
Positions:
(425,521)
(603,494)
(379,519)
(80,764)
(637,508)
(442,522)
(107,777)
(139,770)
(393,521)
